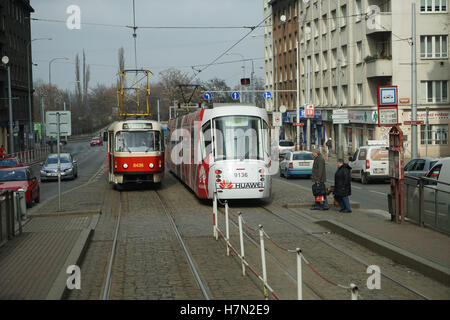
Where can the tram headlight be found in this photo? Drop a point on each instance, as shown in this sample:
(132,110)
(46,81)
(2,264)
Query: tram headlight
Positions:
(125,166)
(151,165)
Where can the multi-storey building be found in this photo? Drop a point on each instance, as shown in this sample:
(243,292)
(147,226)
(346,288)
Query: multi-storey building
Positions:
(268,54)
(15,36)
(350,48)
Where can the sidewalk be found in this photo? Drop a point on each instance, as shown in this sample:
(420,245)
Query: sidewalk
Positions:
(33,265)
(419,248)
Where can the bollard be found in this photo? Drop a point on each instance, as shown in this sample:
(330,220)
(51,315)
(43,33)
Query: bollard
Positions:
(227,228)
(241,240)
(354,290)
(263,261)
(299,274)
(215,216)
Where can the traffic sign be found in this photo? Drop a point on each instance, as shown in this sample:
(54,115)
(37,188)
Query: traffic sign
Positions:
(309,111)
(267,95)
(207,95)
(298,124)
(277,119)
(65,125)
(387,96)
(387,116)
(340,116)
(235,95)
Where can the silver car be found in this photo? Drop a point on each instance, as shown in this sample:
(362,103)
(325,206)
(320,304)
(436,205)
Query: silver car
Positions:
(419,167)
(69,167)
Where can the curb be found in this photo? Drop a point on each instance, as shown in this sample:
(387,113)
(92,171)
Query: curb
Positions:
(66,213)
(353,205)
(426,267)
(59,288)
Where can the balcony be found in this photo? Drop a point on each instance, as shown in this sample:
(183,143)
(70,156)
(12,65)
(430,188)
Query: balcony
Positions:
(380,23)
(377,67)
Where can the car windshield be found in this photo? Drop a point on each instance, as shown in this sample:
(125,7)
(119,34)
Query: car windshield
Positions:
(303,156)
(286,144)
(53,160)
(238,137)
(8,163)
(13,175)
(138,141)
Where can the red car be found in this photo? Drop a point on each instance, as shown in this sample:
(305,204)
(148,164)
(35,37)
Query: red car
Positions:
(20,178)
(10,162)
(96,141)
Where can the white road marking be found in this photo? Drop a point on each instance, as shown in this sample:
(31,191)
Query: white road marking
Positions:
(382,193)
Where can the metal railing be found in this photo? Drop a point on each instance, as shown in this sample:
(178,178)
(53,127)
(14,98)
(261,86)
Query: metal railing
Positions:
(30,156)
(12,211)
(428,202)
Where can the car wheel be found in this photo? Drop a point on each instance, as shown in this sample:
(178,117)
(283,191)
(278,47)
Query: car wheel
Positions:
(364,179)
(288,176)
(38,198)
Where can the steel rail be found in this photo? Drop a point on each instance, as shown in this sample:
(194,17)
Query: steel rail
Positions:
(107,287)
(346,253)
(278,262)
(186,250)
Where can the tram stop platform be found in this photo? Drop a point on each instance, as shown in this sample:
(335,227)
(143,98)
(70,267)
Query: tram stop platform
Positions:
(422,249)
(33,265)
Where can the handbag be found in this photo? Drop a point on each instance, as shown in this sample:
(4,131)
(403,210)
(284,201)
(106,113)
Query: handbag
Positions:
(318,189)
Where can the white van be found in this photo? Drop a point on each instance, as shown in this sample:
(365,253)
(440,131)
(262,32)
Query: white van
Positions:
(370,162)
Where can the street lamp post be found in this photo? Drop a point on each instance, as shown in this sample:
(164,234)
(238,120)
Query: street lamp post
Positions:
(50,76)
(29,86)
(5,61)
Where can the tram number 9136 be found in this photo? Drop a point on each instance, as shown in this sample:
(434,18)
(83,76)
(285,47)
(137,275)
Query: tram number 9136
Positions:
(241,175)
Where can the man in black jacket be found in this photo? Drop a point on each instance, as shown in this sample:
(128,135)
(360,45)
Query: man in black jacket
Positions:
(342,185)
(319,175)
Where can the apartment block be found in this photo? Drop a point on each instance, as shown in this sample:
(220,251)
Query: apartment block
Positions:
(347,49)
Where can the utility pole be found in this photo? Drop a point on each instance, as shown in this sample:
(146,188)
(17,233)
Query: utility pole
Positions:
(308,98)
(298,96)
(340,150)
(413,83)
(11,131)
(158,109)
(42,120)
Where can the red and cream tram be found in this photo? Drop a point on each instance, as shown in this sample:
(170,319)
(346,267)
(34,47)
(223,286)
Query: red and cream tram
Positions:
(135,152)
(225,149)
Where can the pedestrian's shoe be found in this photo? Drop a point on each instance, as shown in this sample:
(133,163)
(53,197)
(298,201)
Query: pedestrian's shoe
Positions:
(315,208)
(327,208)
(347,211)
(342,210)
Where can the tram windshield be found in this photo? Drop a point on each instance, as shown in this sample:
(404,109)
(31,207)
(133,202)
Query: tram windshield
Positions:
(238,137)
(138,141)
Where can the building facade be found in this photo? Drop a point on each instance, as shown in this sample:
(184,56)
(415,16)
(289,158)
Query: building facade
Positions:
(268,55)
(347,49)
(15,36)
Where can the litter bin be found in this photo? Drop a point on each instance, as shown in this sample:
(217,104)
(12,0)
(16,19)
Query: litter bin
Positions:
(20,205)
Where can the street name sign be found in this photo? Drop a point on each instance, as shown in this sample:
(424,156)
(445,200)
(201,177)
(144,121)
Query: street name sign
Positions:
(407,123)
(340,116)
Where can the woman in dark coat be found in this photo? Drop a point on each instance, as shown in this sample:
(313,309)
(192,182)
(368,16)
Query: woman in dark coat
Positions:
(342,186)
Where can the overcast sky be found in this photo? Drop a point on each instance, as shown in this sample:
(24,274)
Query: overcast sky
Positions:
(157,49)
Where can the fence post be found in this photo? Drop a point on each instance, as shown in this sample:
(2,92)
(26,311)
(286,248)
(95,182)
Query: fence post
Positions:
(421,203)
(227,228)
(354,290)
(9,208)
(215,216)
(299,274)
(263,261)
(241,240)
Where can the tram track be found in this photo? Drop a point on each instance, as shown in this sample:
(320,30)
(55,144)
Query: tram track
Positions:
(106,293)
(349,255)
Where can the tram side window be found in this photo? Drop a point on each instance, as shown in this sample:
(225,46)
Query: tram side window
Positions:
(206,140)
(266,138)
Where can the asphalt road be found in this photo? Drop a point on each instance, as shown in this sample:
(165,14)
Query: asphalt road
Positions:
(370,196)
(90,160)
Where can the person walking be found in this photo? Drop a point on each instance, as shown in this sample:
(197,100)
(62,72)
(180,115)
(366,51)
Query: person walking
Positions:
(2,151)
(319,176)
(329,145)
(342,185)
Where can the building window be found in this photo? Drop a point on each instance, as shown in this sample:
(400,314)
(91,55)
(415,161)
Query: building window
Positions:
(358,10)
(437,134)
(325,60)
(316,62)
(433,6)
(317,96)
(433,46)
(434,91)
(344,95)
(344,55)
(359,93)
(324,24)
(325,96)
(334,95)
(333,58)
(343,15)
(316,28)
(358,52)
(333,20)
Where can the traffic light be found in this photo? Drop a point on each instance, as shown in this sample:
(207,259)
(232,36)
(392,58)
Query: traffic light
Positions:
(179,103)
(245,81)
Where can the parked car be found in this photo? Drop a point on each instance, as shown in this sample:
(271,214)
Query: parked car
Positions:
(10,162)
(20,178)
(419,167)
(285,146)
(297,163)
(68,165)
(433,191)
(96,141)
(370,162)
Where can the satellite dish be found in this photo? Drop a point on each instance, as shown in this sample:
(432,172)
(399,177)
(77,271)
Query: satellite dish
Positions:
(283,18)
(5,59)
(283,109)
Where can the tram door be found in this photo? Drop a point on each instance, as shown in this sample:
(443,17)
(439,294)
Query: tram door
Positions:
(111,146)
